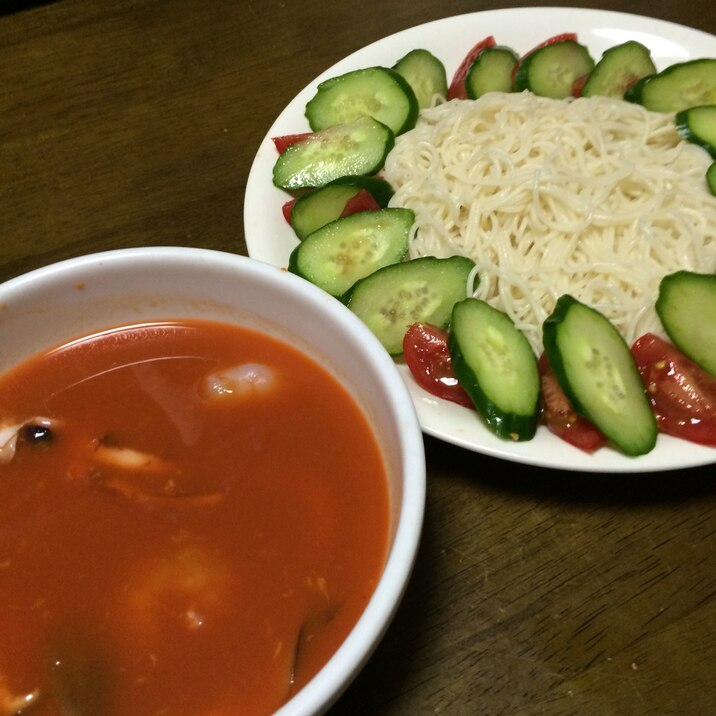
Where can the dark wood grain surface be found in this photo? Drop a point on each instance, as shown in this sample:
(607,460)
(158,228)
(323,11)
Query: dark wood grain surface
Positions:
(134,122)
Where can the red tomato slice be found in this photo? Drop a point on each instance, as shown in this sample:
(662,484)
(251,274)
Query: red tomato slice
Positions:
(561,418)
(578,85)
(287,208)
(682,394)
(426,353)
(457,90)
(284,142)
(549,41)
(362,201)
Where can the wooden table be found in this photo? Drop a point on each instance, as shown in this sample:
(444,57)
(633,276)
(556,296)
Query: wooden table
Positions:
(134,122)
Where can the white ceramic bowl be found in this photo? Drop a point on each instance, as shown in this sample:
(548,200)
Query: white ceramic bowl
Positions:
(74,297)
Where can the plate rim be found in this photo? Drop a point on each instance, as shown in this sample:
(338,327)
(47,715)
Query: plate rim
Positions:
(552,453)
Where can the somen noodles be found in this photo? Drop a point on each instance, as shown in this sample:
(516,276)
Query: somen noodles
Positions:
(594,197)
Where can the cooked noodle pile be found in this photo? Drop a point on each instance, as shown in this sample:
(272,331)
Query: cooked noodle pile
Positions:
(594,197)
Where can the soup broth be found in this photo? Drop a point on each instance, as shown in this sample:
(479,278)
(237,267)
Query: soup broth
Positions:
(192,518)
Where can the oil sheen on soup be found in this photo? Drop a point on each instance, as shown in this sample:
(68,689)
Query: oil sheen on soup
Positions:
(192,518)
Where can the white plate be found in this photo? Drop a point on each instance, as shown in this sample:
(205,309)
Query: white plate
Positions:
(270,239)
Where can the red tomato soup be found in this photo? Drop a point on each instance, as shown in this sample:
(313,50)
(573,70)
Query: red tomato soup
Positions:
(192,519)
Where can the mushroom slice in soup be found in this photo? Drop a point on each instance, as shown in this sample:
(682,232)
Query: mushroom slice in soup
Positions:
(136,474)
(37,429)
(80,675)
(128,458)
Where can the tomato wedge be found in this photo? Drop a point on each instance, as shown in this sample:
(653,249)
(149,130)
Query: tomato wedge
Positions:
(426,352)
(362,201)
(578,85)
(561,418)
(682,394)
(457,90)
(287,208)
(283,142)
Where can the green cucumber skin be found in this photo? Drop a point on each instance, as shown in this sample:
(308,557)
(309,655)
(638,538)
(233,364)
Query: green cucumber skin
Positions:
(686,305)
(597,372)
(678,87)
(475,325)
(425,73)
(711,178)
(530,73)
(343,99)
(633,94)
(333,153)
(382,299)
(381,190)
(698,125)
(348,249)
(491,71)
(618,69)
(318,207)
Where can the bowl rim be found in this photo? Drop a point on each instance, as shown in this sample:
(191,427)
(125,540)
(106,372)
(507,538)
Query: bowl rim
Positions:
(339,671)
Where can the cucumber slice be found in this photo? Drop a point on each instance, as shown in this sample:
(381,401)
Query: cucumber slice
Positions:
(381,190)
(686,306)
(354,148)
(596,370)
(378,92)
(633,94)
(495,364)
(422,290)
(550,71)
(425,73)
(678,87)
(491,71)
(319,207)
(338,254)
(618,69)
(698,125)
(711,178)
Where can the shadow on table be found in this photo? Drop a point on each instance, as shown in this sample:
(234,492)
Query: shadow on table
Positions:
(625,489)
(8,7)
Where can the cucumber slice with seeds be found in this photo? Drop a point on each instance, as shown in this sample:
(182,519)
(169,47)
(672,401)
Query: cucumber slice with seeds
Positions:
(491,71)
(698,125)
(597,372)
(550,71)
(678,87)
(711,178)
(354,148)
(425,73)
(495,364)
(338,254)
(423,290)
(618,69)
(686,306)
(319,207)
(378,92)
